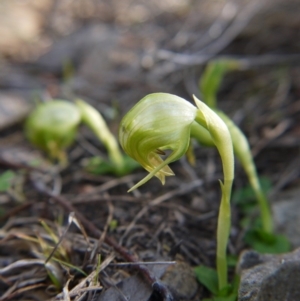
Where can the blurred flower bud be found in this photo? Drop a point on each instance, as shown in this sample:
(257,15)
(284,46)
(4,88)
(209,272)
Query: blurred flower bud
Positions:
(52,127)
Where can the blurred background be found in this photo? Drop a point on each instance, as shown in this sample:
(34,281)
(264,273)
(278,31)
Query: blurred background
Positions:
(110,51)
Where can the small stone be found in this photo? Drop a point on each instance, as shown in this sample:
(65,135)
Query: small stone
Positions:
(181,279)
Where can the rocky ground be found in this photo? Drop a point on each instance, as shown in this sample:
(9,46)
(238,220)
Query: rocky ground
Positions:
(111,54)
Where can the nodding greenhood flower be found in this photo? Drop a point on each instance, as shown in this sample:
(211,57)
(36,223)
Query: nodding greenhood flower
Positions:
(162,121)
(52,127)
(158,122)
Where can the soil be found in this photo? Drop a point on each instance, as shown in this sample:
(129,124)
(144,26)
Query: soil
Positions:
(111,54)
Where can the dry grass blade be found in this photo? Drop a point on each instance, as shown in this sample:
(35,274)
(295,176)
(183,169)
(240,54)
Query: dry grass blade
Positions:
(41,241)
(66,293)
(115,182)
(88,283)
(271,135)
(11,295)
(21,264)
(71,219)
(104,232)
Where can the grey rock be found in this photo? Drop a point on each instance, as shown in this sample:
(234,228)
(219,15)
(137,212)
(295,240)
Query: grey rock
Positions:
(282,285)
(269,277)
(287,215)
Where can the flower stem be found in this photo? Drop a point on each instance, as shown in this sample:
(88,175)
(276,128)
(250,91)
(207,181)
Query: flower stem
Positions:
(92,118)
(265,211)
(243,153)
(222,140)
(223,231)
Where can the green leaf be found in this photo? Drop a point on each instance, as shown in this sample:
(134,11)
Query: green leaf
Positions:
(231,292)
(232,260)
(208,277)
(246,196)
(6,180)
(232,297)
(69,265)
(53,278)
(264,242)
(99,166)
(225,291)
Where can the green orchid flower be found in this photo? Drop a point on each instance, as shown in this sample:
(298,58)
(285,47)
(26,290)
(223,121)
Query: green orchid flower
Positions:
(162,121)
(146,131)
(52,127)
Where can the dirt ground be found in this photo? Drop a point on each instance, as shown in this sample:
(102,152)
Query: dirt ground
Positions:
(111,54)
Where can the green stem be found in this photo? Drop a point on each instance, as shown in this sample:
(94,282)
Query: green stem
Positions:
(223,231)
(243,153)
(222,140)
(265,211)
(92,118)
